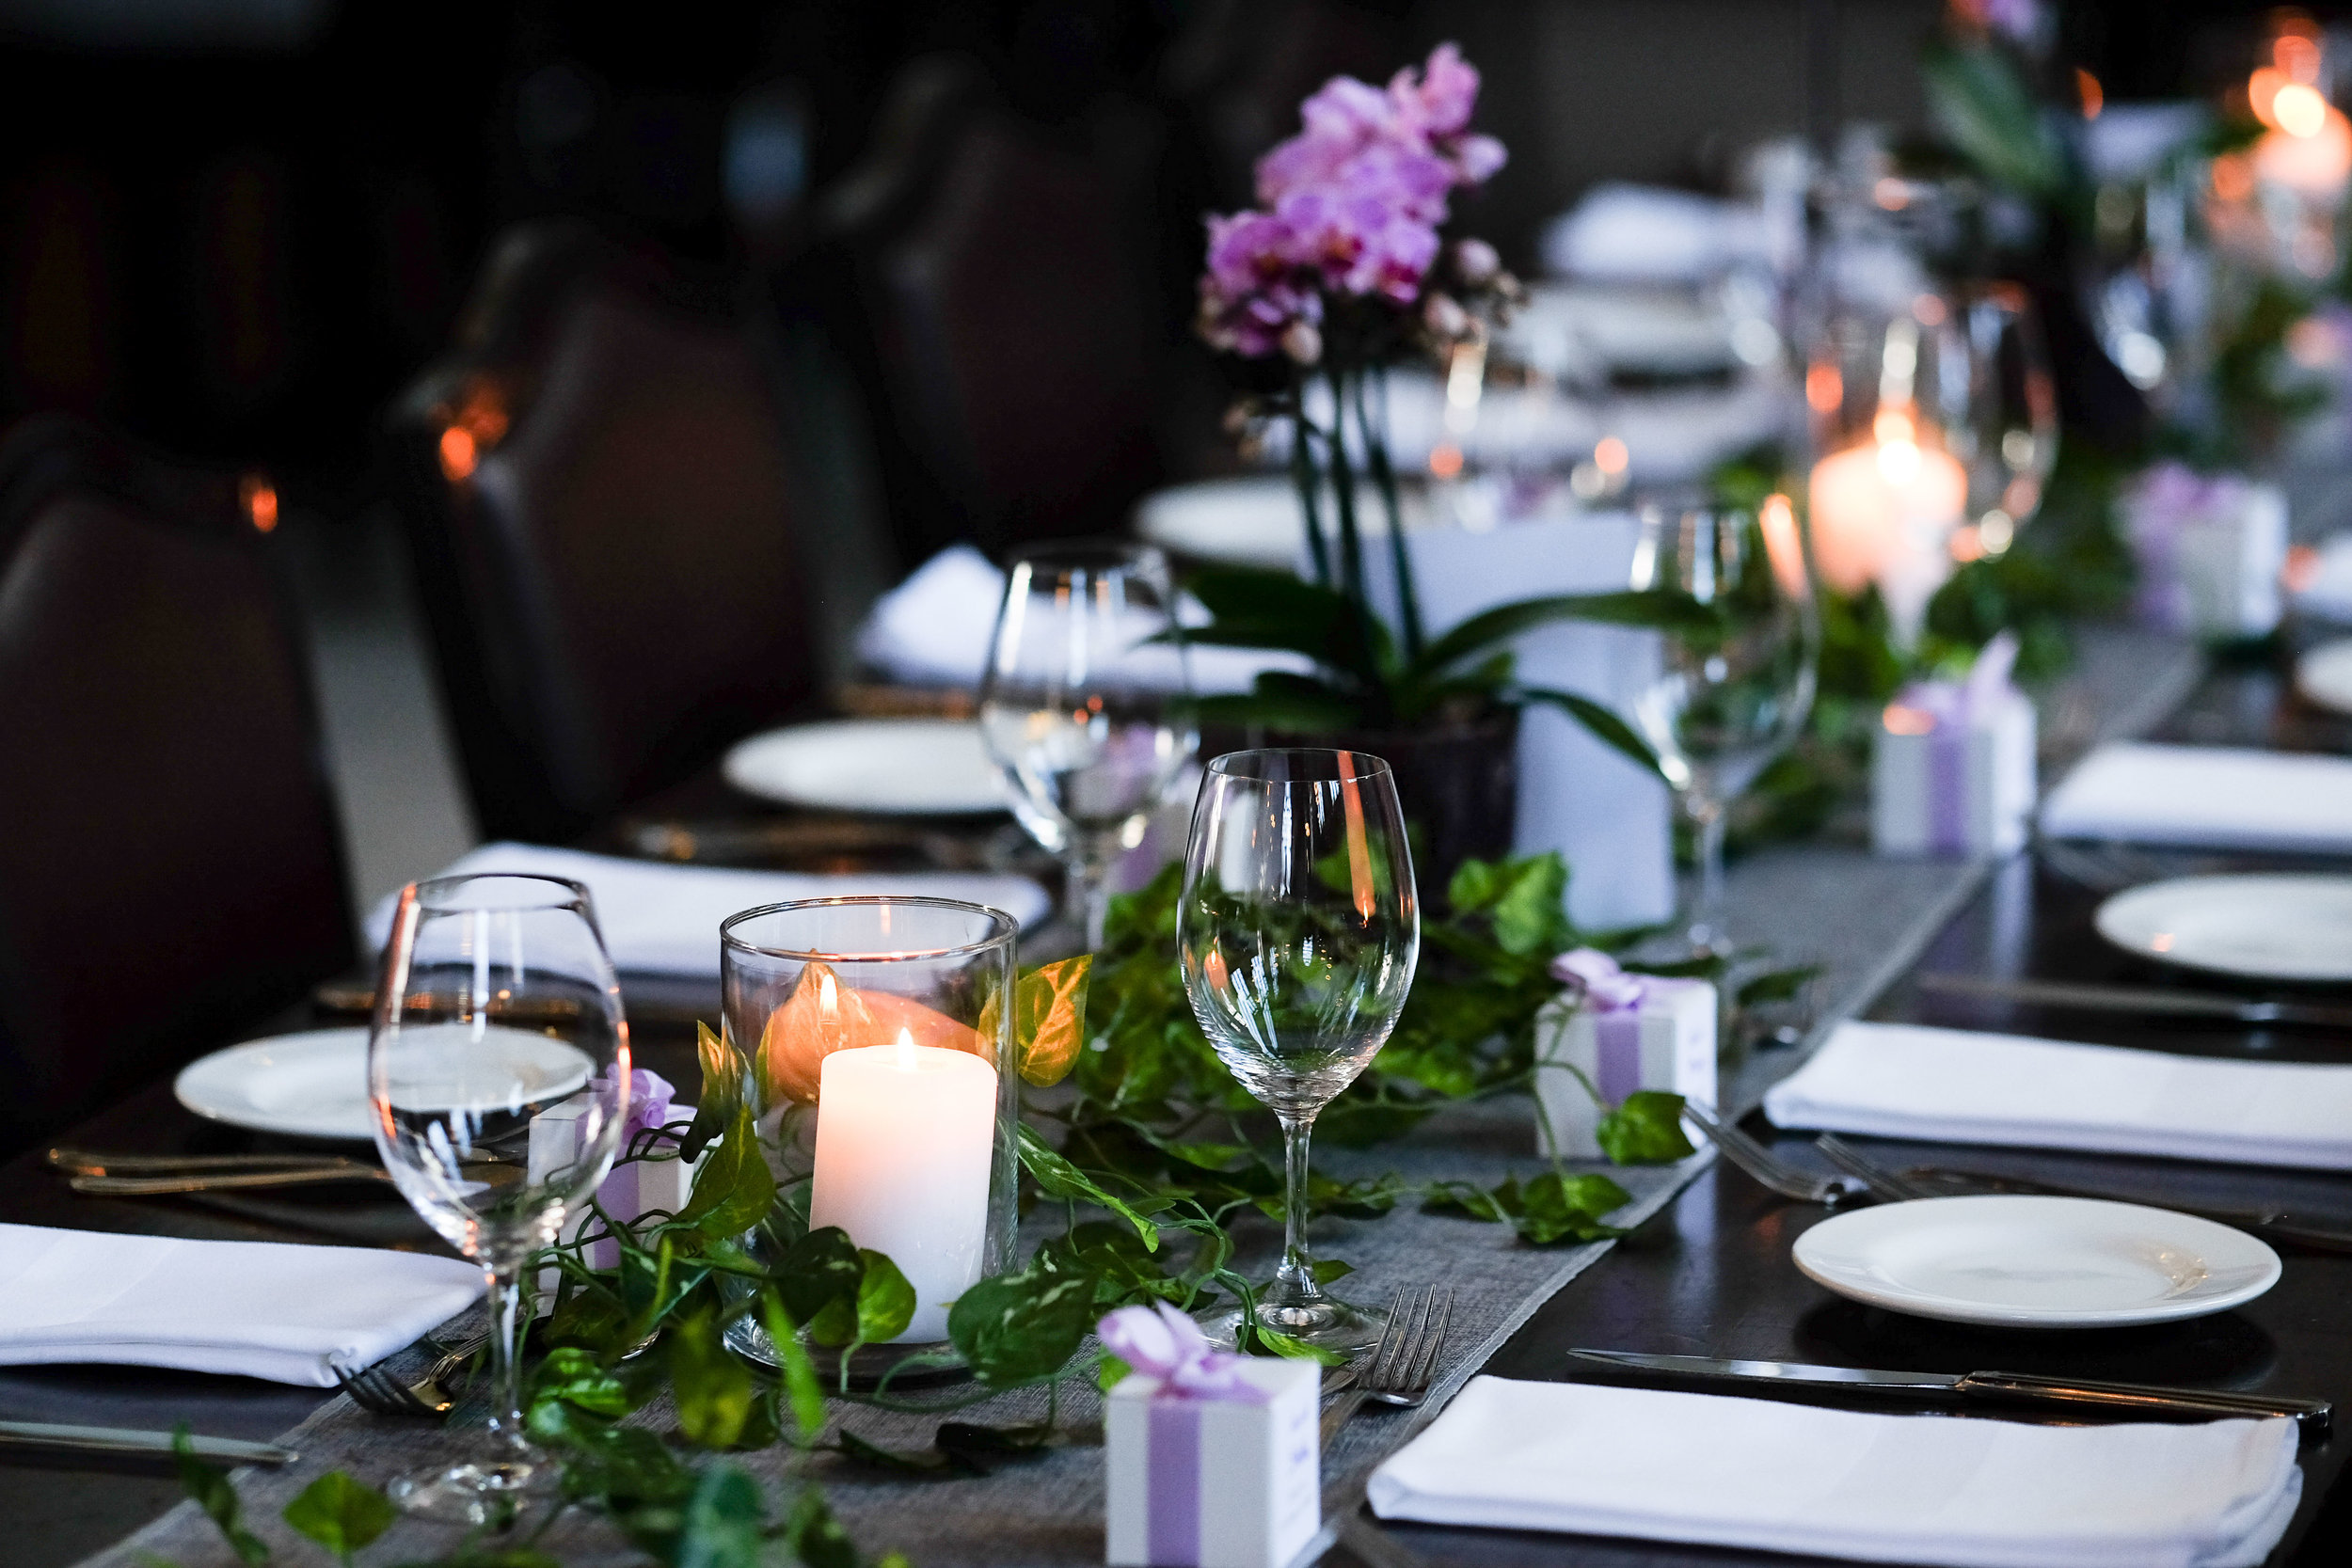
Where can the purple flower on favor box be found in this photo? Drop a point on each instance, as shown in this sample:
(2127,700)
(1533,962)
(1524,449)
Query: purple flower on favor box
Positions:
(649,1100)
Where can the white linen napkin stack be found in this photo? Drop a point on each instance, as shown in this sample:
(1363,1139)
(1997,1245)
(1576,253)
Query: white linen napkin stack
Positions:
(664,919)
(2218,796)
(1790,1478)
(266,1309)
(1957,1086)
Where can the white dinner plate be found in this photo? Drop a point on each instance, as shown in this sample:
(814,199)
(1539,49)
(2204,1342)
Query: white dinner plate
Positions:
(2265,927)
(911,766)
(2324,674)
(314,1085)
(2017,1262)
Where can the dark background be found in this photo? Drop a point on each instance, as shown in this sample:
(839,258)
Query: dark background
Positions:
(233,230)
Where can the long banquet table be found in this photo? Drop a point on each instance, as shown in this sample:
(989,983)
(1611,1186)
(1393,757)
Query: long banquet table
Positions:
(1706,1271)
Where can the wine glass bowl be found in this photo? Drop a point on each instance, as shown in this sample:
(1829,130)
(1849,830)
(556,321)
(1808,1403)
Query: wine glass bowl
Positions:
(1737,667)
(1085,704)
(496,1002)
(1296,935)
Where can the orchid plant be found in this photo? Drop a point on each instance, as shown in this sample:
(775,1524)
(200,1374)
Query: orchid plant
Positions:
(1341,271)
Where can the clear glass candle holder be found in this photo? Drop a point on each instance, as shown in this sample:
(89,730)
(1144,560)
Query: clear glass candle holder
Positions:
(875,1038)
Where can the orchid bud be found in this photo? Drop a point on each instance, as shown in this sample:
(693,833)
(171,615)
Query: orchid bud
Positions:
(1474,261)
(1444,318)
(1302,342)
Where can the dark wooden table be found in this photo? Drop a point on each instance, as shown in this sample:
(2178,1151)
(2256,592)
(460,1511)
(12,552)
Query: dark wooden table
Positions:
(1712,1275)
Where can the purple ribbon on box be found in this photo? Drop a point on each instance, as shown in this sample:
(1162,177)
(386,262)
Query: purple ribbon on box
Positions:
(1951,709)
(2167,499)
(1163,1343)
(621,1193)
(1616,1000)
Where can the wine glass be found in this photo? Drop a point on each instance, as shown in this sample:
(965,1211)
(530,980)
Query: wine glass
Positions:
(1087,706)
(1737,668)
(496,1002)
(2005,432)
(1296,931)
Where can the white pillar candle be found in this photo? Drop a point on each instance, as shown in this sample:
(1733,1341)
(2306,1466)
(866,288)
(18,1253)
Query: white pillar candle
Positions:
(1867,498)
(904,1136)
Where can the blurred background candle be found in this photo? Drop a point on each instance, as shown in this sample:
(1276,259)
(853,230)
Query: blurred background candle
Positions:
(904,1136)
(1873,505)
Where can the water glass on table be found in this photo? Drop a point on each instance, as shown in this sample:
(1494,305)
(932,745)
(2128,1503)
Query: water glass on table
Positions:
(1297,931)
(1736,679)
(497,1001)
(1086,707)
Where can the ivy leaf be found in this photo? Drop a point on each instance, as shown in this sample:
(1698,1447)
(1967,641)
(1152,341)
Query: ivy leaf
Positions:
(725,1524)
(578,1378)
(653,1283)
(1022,1327)
(1330,1269)
(1646,1130)
(734,1189)
(1049,1015)
(209,1485)
(1111,1372)
(1274,1343)
(813,1536)
(885,1302)
(713,1388)
(340,1514)
(820,1281)
(1555,1208)
(1055,1176)
(981,1449)
(928,1462)
(724,1074)
(803,1394)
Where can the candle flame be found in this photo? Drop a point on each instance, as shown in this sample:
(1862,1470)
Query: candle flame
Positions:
(906,1051)
(2300,110)
(1899,462)
(1359,848)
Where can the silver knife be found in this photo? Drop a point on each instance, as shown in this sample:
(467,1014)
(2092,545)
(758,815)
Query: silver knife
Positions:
(123,1440)
(2142,1000)
(2116,1399)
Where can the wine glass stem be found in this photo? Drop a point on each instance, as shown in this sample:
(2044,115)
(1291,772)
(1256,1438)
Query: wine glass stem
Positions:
(506,1415)
(1090,890)
(1706,887)
(1294,1281)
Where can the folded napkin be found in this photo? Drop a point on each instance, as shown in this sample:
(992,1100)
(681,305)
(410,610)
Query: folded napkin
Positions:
(934,629)
(2214,796)
(1791,1478)
(664,919)
(290,1314)
(1955,1086)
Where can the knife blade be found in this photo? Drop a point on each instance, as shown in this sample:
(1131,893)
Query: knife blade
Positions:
(2141,999)
(124,1440)
(2142,1399)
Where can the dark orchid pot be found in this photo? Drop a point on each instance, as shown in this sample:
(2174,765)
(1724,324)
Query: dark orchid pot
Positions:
(1457,781)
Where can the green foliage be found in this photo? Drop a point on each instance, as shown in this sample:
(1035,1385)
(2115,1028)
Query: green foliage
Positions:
(1646,1130)
(1982,104)
(1553,1207)
(340,1514)
(734,1189)
(208,1485)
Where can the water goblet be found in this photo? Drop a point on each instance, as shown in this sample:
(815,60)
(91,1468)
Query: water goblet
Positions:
(497,1001)
(1086,706)
(1736,674)
(1296,931)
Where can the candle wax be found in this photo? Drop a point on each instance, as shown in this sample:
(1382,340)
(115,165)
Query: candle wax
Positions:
(1863,519)
(905,1133)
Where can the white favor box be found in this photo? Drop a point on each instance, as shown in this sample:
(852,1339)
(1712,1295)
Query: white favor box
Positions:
(1939,788)
(1667,1043)
(2222,577)
(1214,1483)
(662,1182)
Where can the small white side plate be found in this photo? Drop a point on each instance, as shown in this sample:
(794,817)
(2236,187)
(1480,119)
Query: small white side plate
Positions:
(2018,1261)
(2264,928)
(910,767)
(2324,674)
(314,1085)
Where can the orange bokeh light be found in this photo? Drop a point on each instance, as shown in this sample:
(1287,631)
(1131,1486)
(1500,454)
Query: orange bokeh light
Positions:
(2087,88)
(1445,460)
(1611,456)
(458,454)
(260,500)
(1824,388)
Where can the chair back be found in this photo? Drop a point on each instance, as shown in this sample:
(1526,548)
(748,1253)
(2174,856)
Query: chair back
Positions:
(172,869)
(992,282)
(603,525)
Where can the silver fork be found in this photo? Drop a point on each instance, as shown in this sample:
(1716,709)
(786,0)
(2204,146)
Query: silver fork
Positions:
(374,1389)
(1883,1183)
(1399,1368)
(1769,1168)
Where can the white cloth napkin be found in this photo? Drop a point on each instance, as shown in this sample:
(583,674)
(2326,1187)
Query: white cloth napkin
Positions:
(2215,795)
(1792,1478)
(664,919)
(934,629)
(266,1309)
(1955,1086)
(1650,231)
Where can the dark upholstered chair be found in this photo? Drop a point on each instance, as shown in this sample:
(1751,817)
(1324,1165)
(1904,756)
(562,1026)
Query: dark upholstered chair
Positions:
(992,284)
(604,534)
(171,866)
